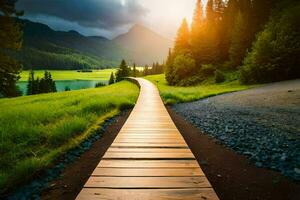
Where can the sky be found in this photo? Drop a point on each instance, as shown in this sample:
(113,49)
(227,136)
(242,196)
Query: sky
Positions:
(109,18)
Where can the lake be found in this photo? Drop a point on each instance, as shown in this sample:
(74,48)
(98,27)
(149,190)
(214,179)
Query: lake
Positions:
(61,85)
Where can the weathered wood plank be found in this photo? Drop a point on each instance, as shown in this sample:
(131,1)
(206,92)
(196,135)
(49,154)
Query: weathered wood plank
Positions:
(149,163)
(148,150)
(147,182)
(141,155)
(145,137)
(150,140)
(149,194)
(153,145)
(147,172)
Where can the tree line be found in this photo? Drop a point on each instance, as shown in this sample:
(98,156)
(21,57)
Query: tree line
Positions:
(257,38)
(39,86)
(125,70)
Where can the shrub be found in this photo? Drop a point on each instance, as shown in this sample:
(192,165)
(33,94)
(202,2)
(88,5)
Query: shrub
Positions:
(193,80)
(207,70)
(184,68)
(100,84)
(219,76)
(67,88)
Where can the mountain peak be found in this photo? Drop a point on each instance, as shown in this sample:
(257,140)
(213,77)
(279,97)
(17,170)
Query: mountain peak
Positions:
(138,27)
(143,41)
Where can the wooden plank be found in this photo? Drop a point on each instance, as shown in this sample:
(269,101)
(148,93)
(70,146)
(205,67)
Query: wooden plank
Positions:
(133,155)
(148,150)
(153,145)
(161,132)
(149,172)
(149,163)
(149,194)
(147,182)
(150,134)
(145,137)
(150,140)
(141,129)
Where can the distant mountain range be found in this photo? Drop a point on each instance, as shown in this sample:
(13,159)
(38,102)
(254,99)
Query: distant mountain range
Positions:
(45,48)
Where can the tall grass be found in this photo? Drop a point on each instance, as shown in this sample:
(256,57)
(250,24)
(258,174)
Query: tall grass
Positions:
(173,94)
(34,130)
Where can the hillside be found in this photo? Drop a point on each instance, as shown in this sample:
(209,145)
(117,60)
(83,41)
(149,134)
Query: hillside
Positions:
(45,48)
(145,44)
(48,125)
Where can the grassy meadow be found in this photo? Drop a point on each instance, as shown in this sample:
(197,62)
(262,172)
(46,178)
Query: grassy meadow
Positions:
(174,94)
(36,129)
(62,75)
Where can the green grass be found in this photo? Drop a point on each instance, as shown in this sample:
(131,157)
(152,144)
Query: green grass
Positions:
(35,130)
(172,94)
(61,75)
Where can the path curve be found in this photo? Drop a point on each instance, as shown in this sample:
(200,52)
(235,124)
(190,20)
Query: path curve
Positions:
(149,159)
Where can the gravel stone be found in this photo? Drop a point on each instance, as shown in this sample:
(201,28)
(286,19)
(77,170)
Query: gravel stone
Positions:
(261,123)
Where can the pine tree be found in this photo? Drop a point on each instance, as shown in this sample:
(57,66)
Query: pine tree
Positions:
(46,84)
(51,83)
(181,47)
(182,43)
(239,40)
(123,71)
(36,86)
(146,70)
(111,79)
(210,13)
(226,25)
(169,68)
(134,72)
(30,85)
(196,31)
(10,40)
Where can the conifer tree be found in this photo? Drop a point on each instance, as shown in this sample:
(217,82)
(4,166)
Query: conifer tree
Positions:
(169,68)
(36,86)
(226,26)
(182,43)
(209,12)
(134,72)
(123,71)
(146,70)
(111,79)
(196,31)
(181,47)
(10,40)
(239,40)
(46,84)
(31,82)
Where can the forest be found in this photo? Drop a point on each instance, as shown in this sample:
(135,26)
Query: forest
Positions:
(258,40)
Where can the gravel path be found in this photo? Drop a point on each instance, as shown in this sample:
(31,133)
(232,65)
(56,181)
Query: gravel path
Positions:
(261,123)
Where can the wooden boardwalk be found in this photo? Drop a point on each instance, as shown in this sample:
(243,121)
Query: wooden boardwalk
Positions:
(149,159)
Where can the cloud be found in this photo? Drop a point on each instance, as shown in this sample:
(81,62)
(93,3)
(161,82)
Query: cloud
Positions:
(93,14)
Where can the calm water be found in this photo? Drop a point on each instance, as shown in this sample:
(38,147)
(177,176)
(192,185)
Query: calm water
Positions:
(61,85)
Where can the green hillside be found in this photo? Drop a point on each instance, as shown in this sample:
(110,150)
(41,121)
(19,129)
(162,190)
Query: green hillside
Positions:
(44,48)
(48,125)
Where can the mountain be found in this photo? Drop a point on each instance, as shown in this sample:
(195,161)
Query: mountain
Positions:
(146,45)
(45,48)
